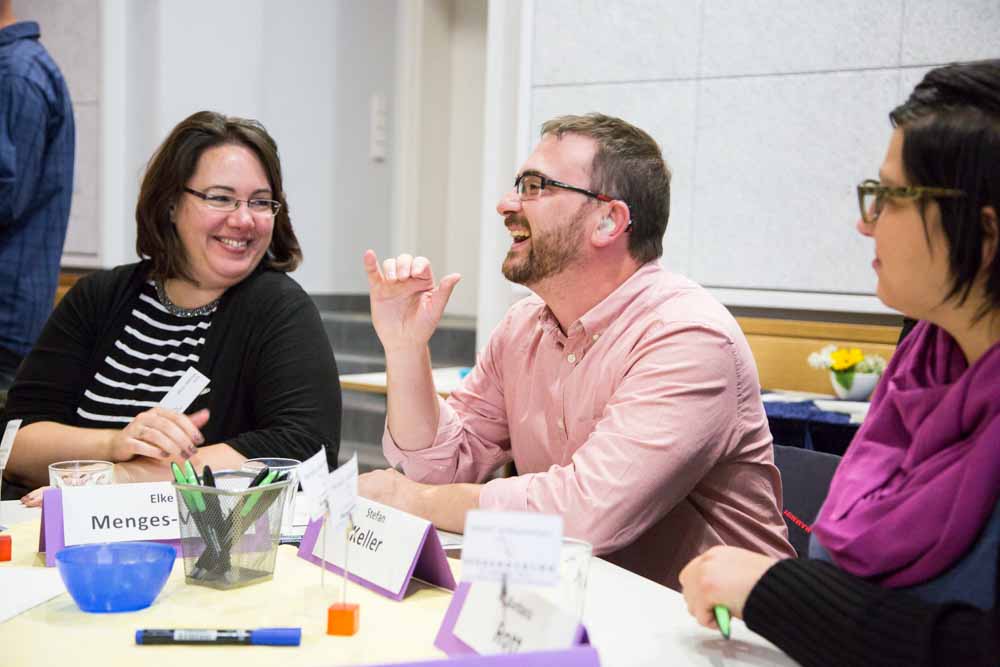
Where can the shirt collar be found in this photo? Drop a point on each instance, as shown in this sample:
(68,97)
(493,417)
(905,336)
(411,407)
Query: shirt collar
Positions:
(20,30)
(600,317)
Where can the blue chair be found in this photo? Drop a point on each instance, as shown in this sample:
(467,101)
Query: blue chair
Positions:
(805,480)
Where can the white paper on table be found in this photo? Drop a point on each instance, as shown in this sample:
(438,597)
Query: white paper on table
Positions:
(521,621)
(847,407)
(521,547)
(27,587)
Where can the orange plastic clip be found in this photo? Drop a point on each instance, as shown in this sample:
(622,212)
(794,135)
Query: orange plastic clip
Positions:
(342,619)
(6,546)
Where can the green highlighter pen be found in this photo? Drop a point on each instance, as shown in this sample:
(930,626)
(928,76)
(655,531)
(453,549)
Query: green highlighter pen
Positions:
(722,618)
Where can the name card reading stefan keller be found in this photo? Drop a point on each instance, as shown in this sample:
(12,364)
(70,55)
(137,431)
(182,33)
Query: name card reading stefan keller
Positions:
(385,548)
(114,513)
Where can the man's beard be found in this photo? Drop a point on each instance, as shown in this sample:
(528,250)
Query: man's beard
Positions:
(549,253)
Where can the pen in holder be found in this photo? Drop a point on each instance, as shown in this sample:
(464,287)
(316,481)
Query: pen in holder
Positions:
(230,532)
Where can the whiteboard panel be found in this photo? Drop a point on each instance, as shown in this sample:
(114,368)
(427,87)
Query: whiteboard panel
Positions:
(667,112)
(777,161)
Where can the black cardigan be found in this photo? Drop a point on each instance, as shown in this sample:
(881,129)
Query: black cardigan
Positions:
(274,384)
(820,615)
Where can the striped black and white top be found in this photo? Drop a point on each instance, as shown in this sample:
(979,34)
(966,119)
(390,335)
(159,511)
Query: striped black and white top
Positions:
(151,353)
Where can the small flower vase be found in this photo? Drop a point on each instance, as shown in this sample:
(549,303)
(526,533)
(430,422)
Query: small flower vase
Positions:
(851,386)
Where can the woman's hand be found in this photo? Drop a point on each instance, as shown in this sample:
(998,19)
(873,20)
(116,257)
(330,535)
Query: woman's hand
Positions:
(159,433)
(34,498)
(143,469)
(721,575)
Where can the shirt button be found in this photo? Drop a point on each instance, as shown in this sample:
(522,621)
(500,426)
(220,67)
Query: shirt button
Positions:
(595,336)
(571,358)
(560,423)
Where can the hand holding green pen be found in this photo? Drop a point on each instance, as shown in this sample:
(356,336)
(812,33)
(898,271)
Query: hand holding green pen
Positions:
(722,618)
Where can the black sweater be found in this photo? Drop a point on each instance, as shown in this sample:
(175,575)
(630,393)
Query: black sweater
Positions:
(820,615)
(274,384)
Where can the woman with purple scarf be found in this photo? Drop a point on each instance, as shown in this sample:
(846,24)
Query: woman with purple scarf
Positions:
(904,563)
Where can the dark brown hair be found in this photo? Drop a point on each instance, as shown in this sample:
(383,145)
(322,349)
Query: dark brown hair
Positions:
(167,173)
(628,165)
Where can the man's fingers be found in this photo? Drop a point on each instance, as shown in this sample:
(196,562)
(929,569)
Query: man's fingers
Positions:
(421,268)
(389,269)
(370,260)
(403,263)
(447,285)
(440,296)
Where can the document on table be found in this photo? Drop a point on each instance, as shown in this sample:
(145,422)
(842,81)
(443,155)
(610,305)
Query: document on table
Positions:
(27,587)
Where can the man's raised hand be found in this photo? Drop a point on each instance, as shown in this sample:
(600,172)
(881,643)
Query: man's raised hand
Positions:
(406,303)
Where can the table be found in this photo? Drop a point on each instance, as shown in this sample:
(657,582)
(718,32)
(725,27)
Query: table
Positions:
(633,622)
(446,380)
(813,421)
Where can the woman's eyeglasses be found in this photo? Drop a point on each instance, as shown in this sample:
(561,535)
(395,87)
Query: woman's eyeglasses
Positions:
(872,196)
(229,204)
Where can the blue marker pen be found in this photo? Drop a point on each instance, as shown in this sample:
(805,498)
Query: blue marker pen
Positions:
(258,637)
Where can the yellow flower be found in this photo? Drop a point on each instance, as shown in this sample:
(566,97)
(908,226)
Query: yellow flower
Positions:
(842,359)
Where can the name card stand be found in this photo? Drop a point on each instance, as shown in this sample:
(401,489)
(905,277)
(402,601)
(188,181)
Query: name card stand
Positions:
(387,547)
(97,515)
(449,642)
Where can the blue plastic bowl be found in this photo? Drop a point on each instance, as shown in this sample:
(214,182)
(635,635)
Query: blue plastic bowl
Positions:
(126,576)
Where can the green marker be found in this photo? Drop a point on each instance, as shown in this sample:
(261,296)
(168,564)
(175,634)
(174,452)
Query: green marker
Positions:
(722,618)
(252,500)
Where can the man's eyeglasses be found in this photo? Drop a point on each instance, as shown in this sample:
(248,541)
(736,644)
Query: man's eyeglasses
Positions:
(229,204)
(872,196)
(530,186)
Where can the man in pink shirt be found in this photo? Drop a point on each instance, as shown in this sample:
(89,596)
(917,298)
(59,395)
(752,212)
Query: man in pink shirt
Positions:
(626,396)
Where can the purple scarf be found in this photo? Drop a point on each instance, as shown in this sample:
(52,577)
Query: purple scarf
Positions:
(922,475)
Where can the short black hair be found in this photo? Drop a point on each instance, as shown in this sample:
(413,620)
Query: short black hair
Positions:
(951,139)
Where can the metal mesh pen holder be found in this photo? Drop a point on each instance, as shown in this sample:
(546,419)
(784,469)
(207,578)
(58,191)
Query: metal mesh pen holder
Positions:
(230,533)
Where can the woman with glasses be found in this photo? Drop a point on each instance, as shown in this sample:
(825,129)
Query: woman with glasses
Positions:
(904,554)
(211,294)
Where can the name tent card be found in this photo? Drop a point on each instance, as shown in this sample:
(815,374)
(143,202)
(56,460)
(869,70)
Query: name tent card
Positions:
(521,547)
(508,599)
(386,548)
(114,513)
(477,626)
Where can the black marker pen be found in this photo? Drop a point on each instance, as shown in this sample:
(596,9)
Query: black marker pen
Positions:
(258,637)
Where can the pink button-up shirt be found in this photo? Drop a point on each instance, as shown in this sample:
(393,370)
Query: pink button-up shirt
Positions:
(642,426)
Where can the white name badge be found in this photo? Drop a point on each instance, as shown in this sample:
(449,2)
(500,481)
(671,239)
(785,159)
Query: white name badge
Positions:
(521,547)
(113,513)
(516,622)
(385,548)
(183,393)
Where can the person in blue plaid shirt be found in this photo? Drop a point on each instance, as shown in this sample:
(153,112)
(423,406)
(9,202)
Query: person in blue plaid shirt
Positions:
(37,139)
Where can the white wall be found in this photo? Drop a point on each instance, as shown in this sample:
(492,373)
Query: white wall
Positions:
(768,113)
(305,69)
